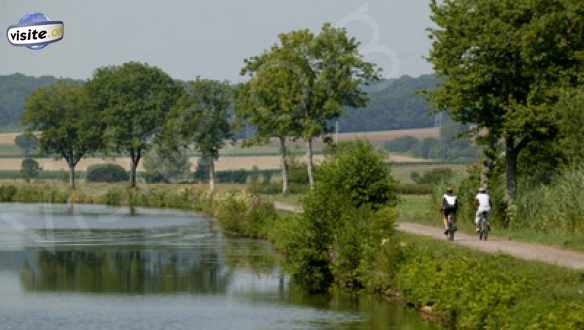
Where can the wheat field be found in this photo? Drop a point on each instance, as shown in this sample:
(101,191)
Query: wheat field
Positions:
(234,156)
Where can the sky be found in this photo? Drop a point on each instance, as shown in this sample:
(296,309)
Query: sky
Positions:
(210,38)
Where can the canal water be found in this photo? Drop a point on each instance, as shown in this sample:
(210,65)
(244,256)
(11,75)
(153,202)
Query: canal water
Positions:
(97,267)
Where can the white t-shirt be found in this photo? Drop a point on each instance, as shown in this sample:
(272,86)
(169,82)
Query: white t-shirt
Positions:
(484,201)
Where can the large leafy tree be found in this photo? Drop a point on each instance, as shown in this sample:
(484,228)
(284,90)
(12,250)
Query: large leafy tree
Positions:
(169,164)
(503,63)
(202,117)
(269,101)
(68,122)
(135,99)
(328,72)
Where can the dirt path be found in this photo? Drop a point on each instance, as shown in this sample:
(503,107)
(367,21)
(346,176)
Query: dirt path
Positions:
(526,251)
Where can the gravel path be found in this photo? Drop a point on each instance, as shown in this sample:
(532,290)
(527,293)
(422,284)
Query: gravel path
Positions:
(526,251)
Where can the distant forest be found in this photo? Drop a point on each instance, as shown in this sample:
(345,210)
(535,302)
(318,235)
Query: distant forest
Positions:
(394,103)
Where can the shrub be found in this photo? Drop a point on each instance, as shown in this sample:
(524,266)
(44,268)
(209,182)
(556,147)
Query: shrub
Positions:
(7,193)
(345,217)
(359,172)
(246,215)
(357,242)
(106,173)
(29,169)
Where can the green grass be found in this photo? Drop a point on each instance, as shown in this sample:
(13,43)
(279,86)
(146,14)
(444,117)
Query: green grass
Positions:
(418,209)
(414,208)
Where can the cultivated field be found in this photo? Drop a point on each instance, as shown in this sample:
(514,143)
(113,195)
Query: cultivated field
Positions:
(234,156)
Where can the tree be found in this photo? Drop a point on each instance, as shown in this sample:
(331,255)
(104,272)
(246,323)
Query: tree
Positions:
(329,74)
(202,117)
(502,63)
(135,99)
(269,102)
(29,169)
(166,164)
(27,143)
(68,122)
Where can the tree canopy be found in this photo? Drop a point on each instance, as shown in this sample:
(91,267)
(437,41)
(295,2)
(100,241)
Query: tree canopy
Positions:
(135,99)
(202,117)
(503,64)
(68,122)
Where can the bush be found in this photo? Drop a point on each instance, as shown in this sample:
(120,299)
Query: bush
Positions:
(29,169)
(7,193)
(246,215)
(345,217)
(106,173)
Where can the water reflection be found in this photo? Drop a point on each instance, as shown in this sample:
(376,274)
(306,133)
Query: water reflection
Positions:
(125,271)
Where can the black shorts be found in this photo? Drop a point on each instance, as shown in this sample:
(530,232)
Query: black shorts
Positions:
(448,212)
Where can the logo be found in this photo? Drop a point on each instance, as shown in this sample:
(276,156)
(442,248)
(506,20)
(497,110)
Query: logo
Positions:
(35,31)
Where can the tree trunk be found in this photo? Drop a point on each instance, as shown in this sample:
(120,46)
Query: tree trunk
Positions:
(284,165)
(310,164)
(511,154)
(135,161)
(489,163)
(211,175)
(72,176)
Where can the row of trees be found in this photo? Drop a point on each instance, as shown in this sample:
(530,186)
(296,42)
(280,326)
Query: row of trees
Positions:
(302,83)
(294,90)
(512,68)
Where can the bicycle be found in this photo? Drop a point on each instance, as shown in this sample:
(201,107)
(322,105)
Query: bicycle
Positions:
(484,226)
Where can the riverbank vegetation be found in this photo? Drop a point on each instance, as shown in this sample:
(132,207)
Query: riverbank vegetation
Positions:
(473,290)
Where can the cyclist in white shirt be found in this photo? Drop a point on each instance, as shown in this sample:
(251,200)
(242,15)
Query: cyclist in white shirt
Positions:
(483,205)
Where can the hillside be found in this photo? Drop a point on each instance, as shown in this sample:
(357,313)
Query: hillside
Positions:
(14,89)
(394,104)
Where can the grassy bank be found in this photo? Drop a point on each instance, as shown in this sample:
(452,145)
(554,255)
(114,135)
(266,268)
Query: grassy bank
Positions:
(472,290)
